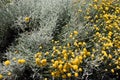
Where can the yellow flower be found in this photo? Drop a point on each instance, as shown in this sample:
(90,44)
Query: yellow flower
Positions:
(64,51)
(106,8)
(88,53)
(76,44)
(79,10)
(80,69)
(54,47)
(83,44)
(37,61)
(76,74)
(1,76)
(7,63)
(68,44)
(13,58)
(95,6)
(80,58)
(85,50)
(75,67)
(70,36)
(69,74)
(37,55)
(75,32)
(60,66)
(46,79)
(64,76)
(76,61)
(118,67)
(104,53)
(95,0)
(110,56)
(64,70)
(47,53)
(40,47)
(92,56)
(112,70)
(21,61)
(9,73)
(44,62)
(53,74)
(27,19)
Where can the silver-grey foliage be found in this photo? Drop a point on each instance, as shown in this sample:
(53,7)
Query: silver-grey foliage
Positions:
(44,17)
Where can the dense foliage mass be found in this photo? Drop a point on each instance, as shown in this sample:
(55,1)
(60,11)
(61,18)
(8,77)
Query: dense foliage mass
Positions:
(60,39)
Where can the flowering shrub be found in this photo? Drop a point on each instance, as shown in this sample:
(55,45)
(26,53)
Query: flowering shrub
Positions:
(73,40)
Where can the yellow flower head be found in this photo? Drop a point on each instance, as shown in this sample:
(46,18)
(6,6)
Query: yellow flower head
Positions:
(13,58)
(75,67)
(44,61)
(60,66)
(112,70)
(46,79)
(64,76)
(1,76)
(53,74)
(75,32)
(21,61)
(7,63)
(37,55)
(76,74)
(69,74)
(37,61)
(9,73)
(27,19)
(80,69)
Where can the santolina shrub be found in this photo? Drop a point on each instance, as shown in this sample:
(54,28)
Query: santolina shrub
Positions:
(86,45)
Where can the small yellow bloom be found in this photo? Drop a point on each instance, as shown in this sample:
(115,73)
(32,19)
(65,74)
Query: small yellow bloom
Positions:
(21,61)
(76,44)
(70,36)
(80,57)
(106,8)
(64,51)
(60,66)
(75,32)
(76,74)
(110,56)
(80,69)
(1,76)
(45,79)
(75,67)
(69,74)
(68,45)
(112,70)
(95,0)
(104,53)
(37,55)
(88,53)
(53,74)
(9,73)
(64,76)
(7,63)
(47,53)
(79,10)
(37,61)
(13,58)
(44,62)
(118,67)
(64,70)
(27,19)
(92,56)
